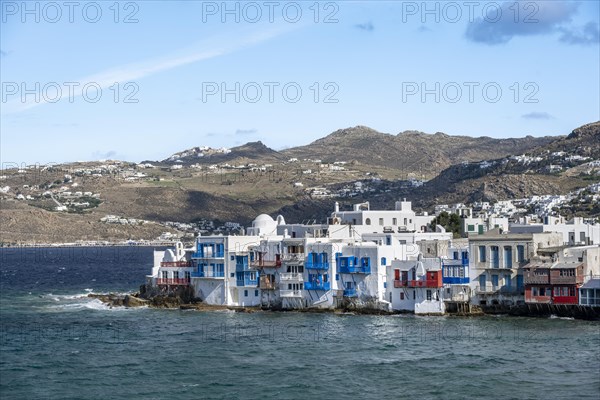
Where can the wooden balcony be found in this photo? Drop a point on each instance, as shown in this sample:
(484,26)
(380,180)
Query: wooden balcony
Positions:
(536,279)
(176,264)
(266,283)
(416,284)
(566,280)
(173,281)
(265,263)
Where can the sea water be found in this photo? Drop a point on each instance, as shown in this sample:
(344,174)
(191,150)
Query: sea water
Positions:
(57,343)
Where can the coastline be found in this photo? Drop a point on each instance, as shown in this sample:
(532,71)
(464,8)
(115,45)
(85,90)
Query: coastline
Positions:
(174,302)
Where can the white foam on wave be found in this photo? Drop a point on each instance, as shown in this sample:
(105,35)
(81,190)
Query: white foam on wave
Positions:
(557,317)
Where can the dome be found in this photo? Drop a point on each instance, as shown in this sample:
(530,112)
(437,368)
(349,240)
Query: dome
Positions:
(262,220)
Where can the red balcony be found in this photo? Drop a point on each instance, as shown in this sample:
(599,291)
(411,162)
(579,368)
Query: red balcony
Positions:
(565,300)
(172,281)
(176,264)
(415,284)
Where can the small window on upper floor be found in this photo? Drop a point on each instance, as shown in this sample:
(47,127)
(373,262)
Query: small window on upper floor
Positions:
(368,221)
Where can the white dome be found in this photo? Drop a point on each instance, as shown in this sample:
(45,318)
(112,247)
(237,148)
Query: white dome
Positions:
(262,220)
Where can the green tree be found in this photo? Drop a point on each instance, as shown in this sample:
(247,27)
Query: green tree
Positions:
(450,222)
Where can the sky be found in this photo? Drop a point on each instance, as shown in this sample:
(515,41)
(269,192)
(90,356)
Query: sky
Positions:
(140,80)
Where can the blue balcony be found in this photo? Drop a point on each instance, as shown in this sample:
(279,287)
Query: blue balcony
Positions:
(455,281)
(317,261)
(209,250)
(352,265)
(318,265)
(241,263)
(208,274)
(317,286)
(350,293)
(245,279)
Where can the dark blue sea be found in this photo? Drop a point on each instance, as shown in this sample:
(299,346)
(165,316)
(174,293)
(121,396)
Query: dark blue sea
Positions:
(56,343)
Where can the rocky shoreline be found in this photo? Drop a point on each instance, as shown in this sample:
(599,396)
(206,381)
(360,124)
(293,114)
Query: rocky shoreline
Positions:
(183,299)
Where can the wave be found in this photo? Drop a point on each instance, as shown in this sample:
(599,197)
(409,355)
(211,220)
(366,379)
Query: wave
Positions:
(552,316)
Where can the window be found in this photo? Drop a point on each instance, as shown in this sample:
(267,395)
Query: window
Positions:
(368,221)
(494,281)
(508,257)
(520,253)
(428,295)
(256,293)
(381,221)
(495,256)
(232,257)
(401,296)
(246,293)
(232,274)
(394,221)
(471,228)
(414,294)
(383,261)
(482,254)
(337,277)
(455,255)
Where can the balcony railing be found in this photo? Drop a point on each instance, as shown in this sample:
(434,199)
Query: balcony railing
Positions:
(172,281)
(267,284)
(176,264)
(565,300)
(317,286)
(507,290)
(536,279)
(355,269)
(349,292)
(291,276)
(316,265)
(265,264)
(290,293)
(293,257)
(215,254)
(566,280)
(452,280)
(416,283)
(208,274)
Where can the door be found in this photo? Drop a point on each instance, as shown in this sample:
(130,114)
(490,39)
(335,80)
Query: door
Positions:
(495,282)
(482,282)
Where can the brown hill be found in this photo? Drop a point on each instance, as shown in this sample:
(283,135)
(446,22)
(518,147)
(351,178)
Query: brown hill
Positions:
(411,151)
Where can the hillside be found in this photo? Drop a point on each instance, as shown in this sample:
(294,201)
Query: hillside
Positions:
(410,152)
(252,151)
(193,193)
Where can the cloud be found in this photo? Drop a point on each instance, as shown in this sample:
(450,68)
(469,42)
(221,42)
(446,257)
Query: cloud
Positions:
(588,34)
(537,115)
(367,26)
(245,131)
(104,155)
(501,25)
(206,50)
